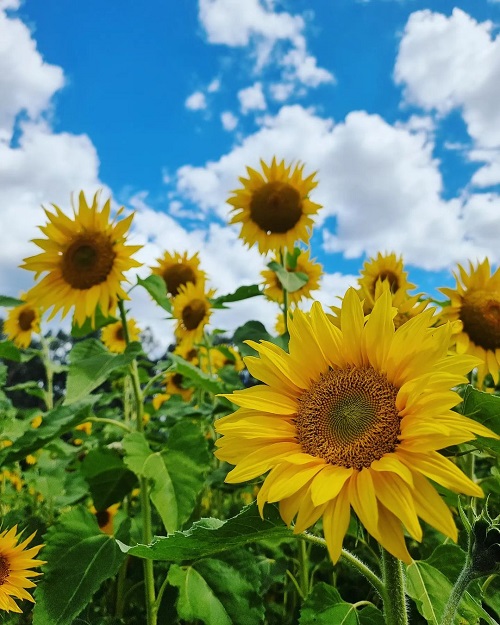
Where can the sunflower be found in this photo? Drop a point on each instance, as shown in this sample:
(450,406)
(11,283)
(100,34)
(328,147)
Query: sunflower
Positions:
(273,288)
(85,258)
(475,304)
(105,518)
(174,385)
(274,207)
(386,267)
(15,564)
(21,322)
(220,356)
(113,337)
(353,417)
(191,308)
(177,270)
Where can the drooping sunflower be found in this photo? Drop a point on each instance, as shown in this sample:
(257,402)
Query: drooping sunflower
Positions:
(475,303)
(274,208)
(273,288)
(16,563)
(175,385)
(385,267)
(353,417)
(22,321)
(191,308)
(113,337)
(85,259)
(177,270)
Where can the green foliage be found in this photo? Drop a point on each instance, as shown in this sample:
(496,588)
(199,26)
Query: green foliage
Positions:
(156,287)
(79,559)
(90,326)
(196,375)
(10,302)
(290,280)
(254,331)
(242,292)
(485,408)
(9,351)
(108,478)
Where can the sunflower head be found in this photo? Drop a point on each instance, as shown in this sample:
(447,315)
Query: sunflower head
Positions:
(475,305)
(353,417)
(273,207)
(22,321)
(84,258)
(175,385)
(220,356)
(105,518)
(384,268)
(177,270)
(16,563)
(273,288)
(113,336)
(192,309)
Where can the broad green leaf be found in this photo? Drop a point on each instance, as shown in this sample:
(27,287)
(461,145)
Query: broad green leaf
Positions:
(9,351)
(242,292)
(10,302)
(484,408)
(255,331)
(30,388)
(108,478)
(90,365)
(156,287)
(219,591)
(89,327)
(325,606)
(199,378)
(291,280)
(55,422)
(211,536)
(292,257)
(79,559)
(370,615)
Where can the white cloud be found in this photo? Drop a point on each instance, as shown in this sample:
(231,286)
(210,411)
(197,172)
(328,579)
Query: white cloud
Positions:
(196,101)
(214,86)
(252,98)
(281,91)
(303,67)
(229,120)
(489,174)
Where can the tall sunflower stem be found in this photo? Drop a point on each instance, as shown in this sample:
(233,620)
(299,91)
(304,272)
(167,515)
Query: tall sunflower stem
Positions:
(285,292)
(395,607)
(304,568)
(464,579)
(147,532)
(49,373)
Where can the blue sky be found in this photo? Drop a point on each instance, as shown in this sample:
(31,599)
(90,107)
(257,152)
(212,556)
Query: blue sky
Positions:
(395,103)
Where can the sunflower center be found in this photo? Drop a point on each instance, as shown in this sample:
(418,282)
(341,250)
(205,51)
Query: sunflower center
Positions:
(176,276)
(391,278)
(193,314)
(276,207)
(26,319)
(178,380)
(480,314)
(88,260)
(4,569)
(349,417)
(120,335)
(103,517)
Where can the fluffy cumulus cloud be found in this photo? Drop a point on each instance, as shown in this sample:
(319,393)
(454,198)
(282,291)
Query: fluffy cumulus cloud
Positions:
(228,120)
(252,98)
(453,62)
(196,101)
(255,25)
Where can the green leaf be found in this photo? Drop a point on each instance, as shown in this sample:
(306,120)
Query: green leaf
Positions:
(9,351)
(211,536)
(30,388)
(10,302)
(108,478)
(90,365)
(89,327)
(79,559)
(156,287)
(292,257)
(219,592)
(484,408)
(199,378)
(291,280)
(242,292)
(325,606)
(177,477)
(55,423)
(370,615)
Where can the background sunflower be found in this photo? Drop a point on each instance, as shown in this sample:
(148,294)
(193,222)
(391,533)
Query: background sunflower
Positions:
(113,336)
(273,288)
(192,310)
(177,270)
(21,322)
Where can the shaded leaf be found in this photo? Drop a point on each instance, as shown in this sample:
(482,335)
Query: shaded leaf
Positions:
(10,302)
(325,606)
(255,331)
(242,292)
(211,536)
(108,478)
(291,280)
(199,378)
(79,559)
(89,327)
(370,615)
(156,287)
(9,351)
(484,408)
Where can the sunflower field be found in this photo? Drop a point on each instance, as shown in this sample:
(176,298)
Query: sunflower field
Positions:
(339,468)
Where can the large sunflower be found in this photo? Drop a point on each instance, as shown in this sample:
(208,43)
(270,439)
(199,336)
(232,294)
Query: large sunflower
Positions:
(15,569)
(475,303)
(177,270)
(113,336)
(353,417)
(85,258)
(273,288)
(386,267)
(192,309)
(21,322)
(274,207)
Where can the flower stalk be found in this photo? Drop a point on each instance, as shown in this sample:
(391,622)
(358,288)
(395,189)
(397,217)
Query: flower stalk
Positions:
(395,608)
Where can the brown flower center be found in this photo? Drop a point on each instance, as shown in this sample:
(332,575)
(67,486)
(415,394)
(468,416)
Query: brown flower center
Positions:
(276,207)
(103,518)
(392,279)
(349,417)
(178,380)
(193,314)
(480,313)
(4,569)
(26,319)
(88,260)
(176,276)
(120,334)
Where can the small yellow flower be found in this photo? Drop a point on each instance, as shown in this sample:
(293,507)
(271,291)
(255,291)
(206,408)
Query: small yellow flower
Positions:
(113,336)
(159,399)
(36,422)
(16,562)
(22,321)
(178,270)
(85,427)
(5,443)
(31,459)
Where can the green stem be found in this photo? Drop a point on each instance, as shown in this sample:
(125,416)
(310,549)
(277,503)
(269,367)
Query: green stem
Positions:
(395,608)
(285,292)
(49,372)
(120,587)
(464,579)
(147,532)
(118,424)
(304,568)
